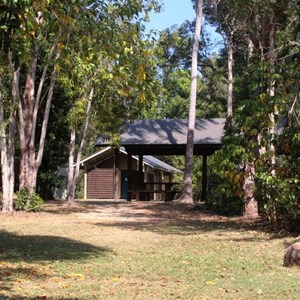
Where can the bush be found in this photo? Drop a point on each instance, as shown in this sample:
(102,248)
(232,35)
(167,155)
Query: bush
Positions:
(279,198)
(221,200)
(225,180)
(28,201)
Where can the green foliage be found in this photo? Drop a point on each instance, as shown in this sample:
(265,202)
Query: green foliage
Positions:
(279,198)
(174,61)
(279,193)
(28,201)
(56,145)
(80,186)
(225,180)
(102,46)
(266,96)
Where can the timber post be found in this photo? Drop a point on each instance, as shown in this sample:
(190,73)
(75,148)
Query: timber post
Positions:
(129,175)
(204,178)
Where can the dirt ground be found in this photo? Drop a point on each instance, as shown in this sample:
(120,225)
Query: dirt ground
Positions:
(152,213)
(142,211)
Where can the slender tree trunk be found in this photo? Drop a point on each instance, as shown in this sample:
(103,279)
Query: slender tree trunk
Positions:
(46,117)
(230,77)
(250,50)
(187,192)
(71,174)
(271,57)
(73,171)
(271,116)
(250,209)
(7,145)
(7,159)
(7,170)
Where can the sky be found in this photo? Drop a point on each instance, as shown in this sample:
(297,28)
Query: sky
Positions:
(175,12)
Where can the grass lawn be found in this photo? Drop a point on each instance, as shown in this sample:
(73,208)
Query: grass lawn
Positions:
(141,250)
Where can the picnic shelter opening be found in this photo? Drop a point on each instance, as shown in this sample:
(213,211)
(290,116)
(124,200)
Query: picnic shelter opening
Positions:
(167,137)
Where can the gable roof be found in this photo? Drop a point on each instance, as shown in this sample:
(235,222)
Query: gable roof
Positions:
(164,136)
(158,164)
(149,160)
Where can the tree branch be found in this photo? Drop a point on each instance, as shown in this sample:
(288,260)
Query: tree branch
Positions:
(46,114)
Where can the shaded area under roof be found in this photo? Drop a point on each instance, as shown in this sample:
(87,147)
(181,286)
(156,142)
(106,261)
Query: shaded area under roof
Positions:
(168,136)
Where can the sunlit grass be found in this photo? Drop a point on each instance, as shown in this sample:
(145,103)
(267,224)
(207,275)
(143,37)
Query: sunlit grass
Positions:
(140,251)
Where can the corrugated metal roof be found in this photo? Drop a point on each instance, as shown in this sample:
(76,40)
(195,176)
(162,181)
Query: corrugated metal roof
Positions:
(169,132)
(158,164)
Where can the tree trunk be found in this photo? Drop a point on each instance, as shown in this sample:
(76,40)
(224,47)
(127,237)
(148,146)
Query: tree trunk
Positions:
(29,161)
(46,117)
(73,171)
(7,146)
(26,109)
(230,77)
(187,191)
(250,50)
(250,203)
(271,116)
(271,57)
(7,160)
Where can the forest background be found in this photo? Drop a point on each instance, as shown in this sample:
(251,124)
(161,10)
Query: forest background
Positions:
(73,69)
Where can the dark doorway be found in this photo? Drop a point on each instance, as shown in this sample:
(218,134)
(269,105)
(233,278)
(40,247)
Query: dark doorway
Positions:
(124,184)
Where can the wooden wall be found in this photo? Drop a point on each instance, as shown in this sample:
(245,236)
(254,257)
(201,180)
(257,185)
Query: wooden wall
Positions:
(100,184)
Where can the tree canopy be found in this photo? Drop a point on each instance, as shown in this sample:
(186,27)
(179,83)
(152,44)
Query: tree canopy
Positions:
(70,69)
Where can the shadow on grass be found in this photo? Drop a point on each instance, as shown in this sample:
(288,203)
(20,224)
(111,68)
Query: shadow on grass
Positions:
(88,206)
(36,250)
(180,227)
(11,274)
(16,297)
(59,207)
(166,218)
(33,248)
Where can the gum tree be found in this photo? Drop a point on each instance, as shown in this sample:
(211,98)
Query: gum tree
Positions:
(187,193)
(112,78)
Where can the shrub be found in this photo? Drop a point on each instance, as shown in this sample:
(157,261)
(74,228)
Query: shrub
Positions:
(220,199)
(28,201)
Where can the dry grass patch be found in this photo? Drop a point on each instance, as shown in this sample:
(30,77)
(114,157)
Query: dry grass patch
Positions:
(121,250)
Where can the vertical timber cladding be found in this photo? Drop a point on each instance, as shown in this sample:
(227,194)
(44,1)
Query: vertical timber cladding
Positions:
(100,184)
